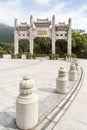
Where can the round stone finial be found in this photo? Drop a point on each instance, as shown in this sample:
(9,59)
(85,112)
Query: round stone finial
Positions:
(77,63)
(26,77)
(62,72)
(26,85)
(72,67)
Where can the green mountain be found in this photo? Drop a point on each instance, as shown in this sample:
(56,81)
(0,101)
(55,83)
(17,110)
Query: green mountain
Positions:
(6,33)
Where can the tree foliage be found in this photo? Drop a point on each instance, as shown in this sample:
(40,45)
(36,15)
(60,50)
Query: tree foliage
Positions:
(61,47)
(24,46)
(7,47)
(79,43)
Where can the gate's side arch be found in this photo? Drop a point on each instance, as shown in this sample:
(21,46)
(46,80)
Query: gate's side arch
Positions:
(23,46)
(21,32)
(61,47)
(63,31)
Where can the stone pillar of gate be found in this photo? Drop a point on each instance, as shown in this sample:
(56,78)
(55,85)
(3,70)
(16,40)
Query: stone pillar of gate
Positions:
(69,47)
(31,34)
(53,34)
(15,38)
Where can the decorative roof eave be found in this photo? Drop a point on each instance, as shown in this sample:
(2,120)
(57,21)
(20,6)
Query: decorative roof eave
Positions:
(42,24)
(23,26)
(61,28)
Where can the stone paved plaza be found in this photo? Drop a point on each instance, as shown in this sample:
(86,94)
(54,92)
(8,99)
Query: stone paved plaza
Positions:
(44,73)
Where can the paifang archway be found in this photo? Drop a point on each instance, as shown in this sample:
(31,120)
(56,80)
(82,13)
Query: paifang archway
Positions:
(42,28)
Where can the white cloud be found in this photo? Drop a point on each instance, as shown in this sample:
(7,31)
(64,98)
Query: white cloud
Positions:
(63,12)
(42,2)
(13,3)
(11,9)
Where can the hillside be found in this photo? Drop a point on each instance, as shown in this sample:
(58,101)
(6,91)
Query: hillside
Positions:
(6,33)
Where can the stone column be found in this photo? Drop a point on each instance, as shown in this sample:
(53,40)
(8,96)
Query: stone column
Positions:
(53,34)
(77,67)
(15,38)
(62,81)
(31,34)
(72,73)
(26,105)
(69,47)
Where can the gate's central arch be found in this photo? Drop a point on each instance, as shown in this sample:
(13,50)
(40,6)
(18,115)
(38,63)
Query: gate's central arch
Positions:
(42,28)
(42,45)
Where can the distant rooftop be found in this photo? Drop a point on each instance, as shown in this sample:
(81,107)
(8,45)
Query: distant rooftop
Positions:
(42,23)
(61,26)
(23,25)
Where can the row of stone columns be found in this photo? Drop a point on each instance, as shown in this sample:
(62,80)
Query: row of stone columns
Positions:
(63,79)
(27,100)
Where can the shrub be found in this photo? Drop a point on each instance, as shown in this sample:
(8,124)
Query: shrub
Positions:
(83,55)
(16,56)
(1,54)
(72,55)
(53,56)
(41,55)
(28,55)
(33,56)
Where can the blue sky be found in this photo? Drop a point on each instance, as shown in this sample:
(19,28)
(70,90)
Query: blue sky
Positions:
(62,9)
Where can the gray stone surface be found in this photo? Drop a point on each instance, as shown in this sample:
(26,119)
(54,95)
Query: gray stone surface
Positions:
(44,73)
(75,117)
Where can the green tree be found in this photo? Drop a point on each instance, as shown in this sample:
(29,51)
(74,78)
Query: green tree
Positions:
(1,52)
(79,43)
(7,47)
